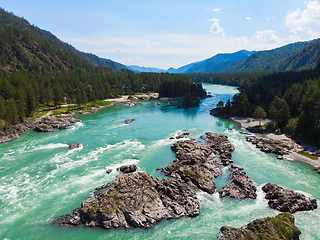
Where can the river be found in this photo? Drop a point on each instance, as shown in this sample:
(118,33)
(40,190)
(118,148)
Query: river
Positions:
(41,179)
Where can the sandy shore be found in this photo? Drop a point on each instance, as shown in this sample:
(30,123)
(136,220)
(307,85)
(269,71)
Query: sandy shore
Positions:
(293,155)
(245,124)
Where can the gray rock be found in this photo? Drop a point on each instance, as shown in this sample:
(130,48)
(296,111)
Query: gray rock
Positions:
(128,169)
(128,121)
(109,171)
(196,164)
(70,219)
(47,124)
(264,228)
(235,168)
(240,187)
(130,104)
(75,145)
(285,200)
(138,200)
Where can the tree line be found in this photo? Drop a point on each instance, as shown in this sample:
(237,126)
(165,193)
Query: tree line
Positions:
(22,92)
(291,99)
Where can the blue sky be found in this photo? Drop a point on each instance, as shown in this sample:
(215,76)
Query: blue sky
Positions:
(173,33)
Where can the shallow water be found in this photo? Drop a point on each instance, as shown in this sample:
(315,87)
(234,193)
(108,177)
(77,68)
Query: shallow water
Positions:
(41,179)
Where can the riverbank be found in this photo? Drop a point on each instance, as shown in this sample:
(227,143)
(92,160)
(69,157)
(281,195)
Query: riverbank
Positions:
(293,154)
(10,134)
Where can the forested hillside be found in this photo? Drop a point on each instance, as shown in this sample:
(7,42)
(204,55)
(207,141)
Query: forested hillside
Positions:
(291,99)
(295,56)
(37,71)
(31,47)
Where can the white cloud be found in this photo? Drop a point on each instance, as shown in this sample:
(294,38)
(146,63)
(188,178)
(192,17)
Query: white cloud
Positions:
(215,27)
(305,23)
(241,40)
(213,10)
(265,36)
(248,18)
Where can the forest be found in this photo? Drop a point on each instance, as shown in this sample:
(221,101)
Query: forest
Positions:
(291,99)
(39,71)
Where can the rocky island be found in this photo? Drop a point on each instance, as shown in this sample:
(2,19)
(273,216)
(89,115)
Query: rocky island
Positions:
(134,199)
(278,227)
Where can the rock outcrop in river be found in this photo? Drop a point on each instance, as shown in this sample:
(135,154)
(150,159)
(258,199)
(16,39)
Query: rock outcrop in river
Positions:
(277,147)
(197,164)
(240,186)
(75,145)
(134,199)
(278,227)
(47,124)
(285,200)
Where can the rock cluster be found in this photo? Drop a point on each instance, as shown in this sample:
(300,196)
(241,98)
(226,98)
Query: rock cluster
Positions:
(130,104)
(277,147)
(268,145)
(182,135)
(197,164)
(240,186)
(47,124)
(134,199)
(285,200)
(128,168)
(278,227)
(8,135)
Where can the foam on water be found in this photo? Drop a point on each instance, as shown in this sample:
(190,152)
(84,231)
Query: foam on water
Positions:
(41,179)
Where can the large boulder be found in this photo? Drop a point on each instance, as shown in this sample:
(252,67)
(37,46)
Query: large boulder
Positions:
(197,164)
(75,145)
(128,121)
(240,187)
(278,227)
(137,200)
(285,200)
(128,168)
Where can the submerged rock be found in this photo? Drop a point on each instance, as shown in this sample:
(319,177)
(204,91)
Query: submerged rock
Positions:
(285,200)
(197,164)
(138,200)
(240,187)
(278,227)
(75,145)
(128,121)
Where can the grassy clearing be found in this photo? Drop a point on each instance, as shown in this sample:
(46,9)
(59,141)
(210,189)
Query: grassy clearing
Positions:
(70,108)
(308,155)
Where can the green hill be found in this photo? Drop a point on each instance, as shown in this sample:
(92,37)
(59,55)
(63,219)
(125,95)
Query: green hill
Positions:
(23,46)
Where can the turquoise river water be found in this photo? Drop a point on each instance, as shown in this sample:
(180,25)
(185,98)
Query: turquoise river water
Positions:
(41,179)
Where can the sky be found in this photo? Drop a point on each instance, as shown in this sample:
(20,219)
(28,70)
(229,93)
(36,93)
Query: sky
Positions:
(171,33)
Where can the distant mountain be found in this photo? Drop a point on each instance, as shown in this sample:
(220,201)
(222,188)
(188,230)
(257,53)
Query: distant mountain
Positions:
(182,69)
(278,59)
(218,62)
(138,69)
(294,56)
